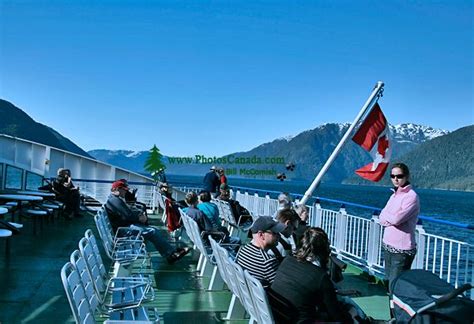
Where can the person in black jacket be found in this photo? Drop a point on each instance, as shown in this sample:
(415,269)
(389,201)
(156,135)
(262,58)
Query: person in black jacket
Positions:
(304,282)
(211,181)
(67,193)
(123,215)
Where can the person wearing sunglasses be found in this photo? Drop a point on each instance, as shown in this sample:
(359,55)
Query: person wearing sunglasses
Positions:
(399,217)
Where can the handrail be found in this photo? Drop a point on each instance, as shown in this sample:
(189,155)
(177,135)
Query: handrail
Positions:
(346,203)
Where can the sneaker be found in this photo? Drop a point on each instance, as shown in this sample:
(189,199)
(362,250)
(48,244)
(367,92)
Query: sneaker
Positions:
(177,255)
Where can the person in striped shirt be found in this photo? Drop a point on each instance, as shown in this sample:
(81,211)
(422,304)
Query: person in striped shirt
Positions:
(254,258)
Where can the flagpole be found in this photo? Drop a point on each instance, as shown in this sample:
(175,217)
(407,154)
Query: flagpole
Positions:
(368,104)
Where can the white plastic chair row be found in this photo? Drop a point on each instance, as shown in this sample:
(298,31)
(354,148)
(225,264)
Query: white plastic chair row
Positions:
(136,289)
(205,265)
(247,291)
(225,211)
(124,250)
(86,309)
(92,294)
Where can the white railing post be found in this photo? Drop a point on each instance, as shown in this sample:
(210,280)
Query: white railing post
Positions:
(316,216)
(154,198)
(266,207)
(341,230)
(255,204)
(374,243)
(418,263)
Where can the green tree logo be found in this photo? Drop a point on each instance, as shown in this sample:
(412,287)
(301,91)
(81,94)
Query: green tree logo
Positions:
(153,163)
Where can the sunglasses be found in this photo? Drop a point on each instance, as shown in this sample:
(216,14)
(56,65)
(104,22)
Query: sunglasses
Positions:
(398,176)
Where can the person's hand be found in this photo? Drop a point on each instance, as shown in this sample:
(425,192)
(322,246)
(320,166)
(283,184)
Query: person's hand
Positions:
(142,218)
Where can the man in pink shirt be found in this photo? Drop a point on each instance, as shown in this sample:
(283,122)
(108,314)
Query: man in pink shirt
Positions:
(399,217)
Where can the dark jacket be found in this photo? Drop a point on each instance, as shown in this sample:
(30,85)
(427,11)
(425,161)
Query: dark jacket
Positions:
(121,214)
(308,288)
(211,182)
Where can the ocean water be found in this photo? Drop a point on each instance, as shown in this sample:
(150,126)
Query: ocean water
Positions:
(456,206)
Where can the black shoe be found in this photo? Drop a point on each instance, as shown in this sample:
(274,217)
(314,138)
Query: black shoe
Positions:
(178,254)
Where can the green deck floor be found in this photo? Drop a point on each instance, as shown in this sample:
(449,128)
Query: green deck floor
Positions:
(31,290)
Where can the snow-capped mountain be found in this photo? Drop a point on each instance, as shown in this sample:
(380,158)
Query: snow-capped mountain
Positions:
(415,133)
(309,150)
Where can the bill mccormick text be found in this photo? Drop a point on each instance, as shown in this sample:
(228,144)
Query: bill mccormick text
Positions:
(229,159)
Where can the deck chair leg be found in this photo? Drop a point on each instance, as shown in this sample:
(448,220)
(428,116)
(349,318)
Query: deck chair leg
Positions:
(235,310)
(200,262)
(216,283)
(206,270)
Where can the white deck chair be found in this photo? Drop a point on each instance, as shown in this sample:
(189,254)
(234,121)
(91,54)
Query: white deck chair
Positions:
(106,286)
(206,264)
(86,313)
(123,250)
(243,289)
(259,298)
(162,204)
(235,309)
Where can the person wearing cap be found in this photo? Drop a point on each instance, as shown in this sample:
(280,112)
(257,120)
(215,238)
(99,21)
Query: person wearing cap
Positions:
(67,193)
(211,181)
(123,215)
(253,257)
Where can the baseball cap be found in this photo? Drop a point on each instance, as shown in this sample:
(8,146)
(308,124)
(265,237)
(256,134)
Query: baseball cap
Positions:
(266,223)
(119,184)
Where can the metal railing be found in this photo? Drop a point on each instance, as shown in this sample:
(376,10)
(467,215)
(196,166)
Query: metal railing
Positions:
(359,240)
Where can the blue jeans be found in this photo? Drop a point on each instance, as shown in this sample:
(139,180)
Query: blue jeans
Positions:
(396,263)
(152,234)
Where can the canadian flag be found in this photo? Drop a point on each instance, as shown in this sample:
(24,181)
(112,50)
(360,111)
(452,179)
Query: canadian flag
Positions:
(373,136)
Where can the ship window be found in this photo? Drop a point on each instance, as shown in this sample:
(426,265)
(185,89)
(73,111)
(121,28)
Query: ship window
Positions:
(33,181)
(13,177)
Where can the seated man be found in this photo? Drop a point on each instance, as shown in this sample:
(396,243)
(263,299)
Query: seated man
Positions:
(287,242)
(67,193)
(123,215)
(241,214)
(254,257)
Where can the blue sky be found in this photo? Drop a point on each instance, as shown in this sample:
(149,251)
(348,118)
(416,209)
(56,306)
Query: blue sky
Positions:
(215,77)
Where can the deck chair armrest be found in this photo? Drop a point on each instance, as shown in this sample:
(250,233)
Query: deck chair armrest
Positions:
(126,232)
(229,244)
(129,244)
(240,218)
(218,233)
(138,302)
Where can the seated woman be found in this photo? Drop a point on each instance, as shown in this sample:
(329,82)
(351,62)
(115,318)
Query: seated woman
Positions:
(211,211)
(303,281)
